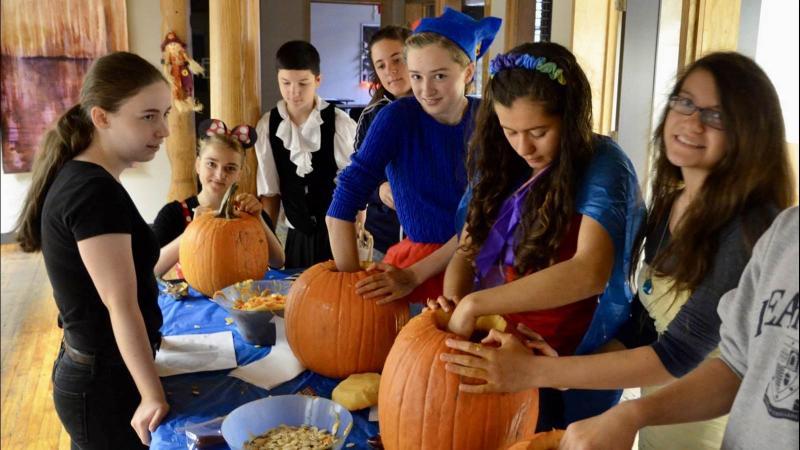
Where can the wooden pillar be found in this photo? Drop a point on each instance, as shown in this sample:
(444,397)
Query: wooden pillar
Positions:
(708,26)
(251,83)
(234,52)
(596,26)
(441,4)
(518,22)
(181,143)
(393,13)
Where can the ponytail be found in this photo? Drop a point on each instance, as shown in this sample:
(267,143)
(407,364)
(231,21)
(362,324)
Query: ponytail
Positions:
(110,81)
(70,136)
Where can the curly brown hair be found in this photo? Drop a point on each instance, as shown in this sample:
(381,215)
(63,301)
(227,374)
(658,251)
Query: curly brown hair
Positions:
(753,177)
(495,169)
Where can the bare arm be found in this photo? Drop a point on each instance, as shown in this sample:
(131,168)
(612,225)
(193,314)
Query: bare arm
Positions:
(109,260)
(276,255)
(705,393)
(250,204)
(459,274)
(583,275)
(342,236)
(272,205)
(436,262)
(510,367)
(168,257)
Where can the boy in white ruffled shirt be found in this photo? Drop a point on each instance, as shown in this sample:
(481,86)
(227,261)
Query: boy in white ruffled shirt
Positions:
(308,142)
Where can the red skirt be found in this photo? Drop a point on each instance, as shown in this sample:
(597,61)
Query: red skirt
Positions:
(562,327)
(404,254)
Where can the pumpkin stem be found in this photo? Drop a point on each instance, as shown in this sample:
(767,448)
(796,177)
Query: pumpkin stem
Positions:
(226,207)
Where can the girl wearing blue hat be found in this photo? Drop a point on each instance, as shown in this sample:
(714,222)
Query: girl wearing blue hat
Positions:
(419,144)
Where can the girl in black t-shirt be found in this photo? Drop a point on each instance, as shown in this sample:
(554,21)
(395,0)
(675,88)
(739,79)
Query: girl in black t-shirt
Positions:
(100,254)
(219,164)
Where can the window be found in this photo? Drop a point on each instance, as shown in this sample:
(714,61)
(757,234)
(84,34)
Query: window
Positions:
(542,21)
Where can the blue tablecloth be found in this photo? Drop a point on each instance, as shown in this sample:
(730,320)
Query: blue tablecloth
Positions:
(199,397)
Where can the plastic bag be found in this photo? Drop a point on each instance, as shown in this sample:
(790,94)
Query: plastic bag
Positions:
(205,435)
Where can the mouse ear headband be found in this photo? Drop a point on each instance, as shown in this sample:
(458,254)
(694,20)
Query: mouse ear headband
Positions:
(244,134)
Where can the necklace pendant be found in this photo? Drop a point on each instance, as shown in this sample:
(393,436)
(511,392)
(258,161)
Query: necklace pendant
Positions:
(647,287)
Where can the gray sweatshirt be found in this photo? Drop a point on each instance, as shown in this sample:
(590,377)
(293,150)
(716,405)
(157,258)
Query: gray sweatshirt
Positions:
(759,342)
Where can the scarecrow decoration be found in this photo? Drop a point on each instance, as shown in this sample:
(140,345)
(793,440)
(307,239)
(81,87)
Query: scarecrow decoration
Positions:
(179,68)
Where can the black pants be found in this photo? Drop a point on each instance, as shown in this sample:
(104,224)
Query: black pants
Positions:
(303,250)
(96,403)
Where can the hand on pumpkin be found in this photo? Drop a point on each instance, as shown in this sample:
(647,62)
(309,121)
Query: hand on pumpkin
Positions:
(443,303)
(389,284)
(615,429)
(147,416)
(504,367)
(535,341)
(248,203)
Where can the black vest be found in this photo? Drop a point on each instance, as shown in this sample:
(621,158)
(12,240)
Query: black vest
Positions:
(306,199)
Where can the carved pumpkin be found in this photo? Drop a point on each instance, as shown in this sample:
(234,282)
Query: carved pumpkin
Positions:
(335,332)
(420,406)
(548,440)
(219,249)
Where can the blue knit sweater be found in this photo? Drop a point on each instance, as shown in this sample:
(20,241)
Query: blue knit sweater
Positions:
(424,163)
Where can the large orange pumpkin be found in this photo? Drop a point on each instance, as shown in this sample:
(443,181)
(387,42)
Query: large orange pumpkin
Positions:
(219,249)
(548,440)
(420,406)
(335,332)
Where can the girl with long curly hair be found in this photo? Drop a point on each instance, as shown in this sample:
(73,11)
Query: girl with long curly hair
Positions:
(553,212)
(721,175)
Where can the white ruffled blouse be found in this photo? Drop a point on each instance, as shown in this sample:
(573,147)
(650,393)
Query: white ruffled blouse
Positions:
(301,141)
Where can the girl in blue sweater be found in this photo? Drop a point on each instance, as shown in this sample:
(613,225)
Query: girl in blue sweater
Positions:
(419,144)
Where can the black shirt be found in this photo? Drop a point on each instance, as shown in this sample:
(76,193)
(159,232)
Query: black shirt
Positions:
(85,201)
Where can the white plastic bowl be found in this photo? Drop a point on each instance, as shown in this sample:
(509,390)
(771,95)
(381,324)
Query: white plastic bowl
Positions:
(258,417)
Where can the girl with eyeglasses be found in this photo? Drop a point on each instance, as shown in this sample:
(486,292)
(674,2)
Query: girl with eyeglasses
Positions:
(720,176)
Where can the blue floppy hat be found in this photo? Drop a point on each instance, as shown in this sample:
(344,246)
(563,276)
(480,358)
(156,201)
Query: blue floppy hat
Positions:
(472,36)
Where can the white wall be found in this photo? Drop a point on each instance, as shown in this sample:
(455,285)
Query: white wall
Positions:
(336,33)
(777,53)
(281,21)
(561,26)
(147,184)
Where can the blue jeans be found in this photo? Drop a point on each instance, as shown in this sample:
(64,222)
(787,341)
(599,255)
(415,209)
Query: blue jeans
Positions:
(96,403)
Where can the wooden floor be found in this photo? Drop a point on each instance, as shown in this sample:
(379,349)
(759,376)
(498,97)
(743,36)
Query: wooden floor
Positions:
(29,341)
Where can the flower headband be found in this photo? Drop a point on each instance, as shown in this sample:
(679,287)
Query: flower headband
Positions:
(245,134)
(525,61)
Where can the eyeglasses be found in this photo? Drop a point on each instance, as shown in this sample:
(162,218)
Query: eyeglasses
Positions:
(686,107)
